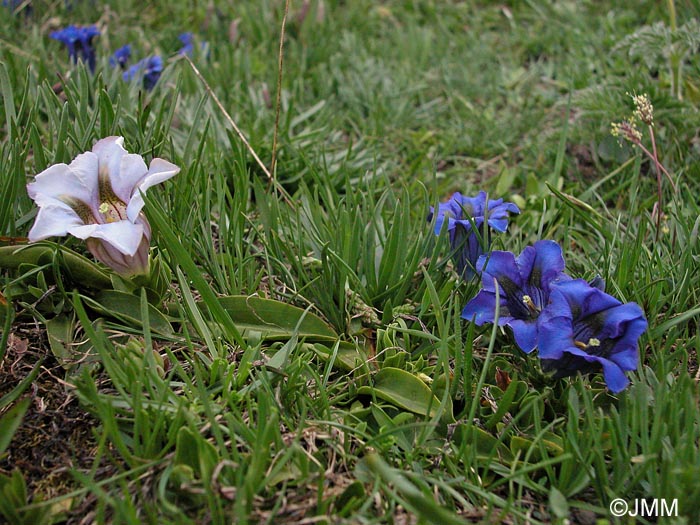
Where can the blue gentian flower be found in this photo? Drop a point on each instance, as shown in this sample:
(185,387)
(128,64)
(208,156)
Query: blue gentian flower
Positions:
(149,69)
(121,57)
(187,40)
(584,329)
(524,285)
(13,5)
(187,48)
(465,217)
(598,282)
(78,40)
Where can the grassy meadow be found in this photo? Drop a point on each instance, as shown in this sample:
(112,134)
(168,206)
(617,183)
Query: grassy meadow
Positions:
(297,353)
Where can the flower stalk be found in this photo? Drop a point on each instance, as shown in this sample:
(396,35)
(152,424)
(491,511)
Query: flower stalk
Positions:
(627,130)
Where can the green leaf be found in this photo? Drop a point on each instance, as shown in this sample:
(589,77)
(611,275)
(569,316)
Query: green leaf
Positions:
(13,494)
(524,445)
(343,354)
(274,320)
(504,404)
(350,499)
(60,333)
(183,259)
(485,444)
(196,452)
(506,178)
(404,390)
(13,394)
(674,321)
(71,356)
(9,101)
(419,502)
(7,315)
(79,268)
(558,503)
(10,421)
(127,307)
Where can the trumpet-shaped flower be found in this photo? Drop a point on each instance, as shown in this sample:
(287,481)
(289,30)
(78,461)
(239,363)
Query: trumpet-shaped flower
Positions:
(149,69)
(98,198)
(187,40)
(78,40)
(465,217)
(121,56)
(586,330)
(524,285)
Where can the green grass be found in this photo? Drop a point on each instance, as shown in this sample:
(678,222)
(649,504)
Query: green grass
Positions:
(373,401)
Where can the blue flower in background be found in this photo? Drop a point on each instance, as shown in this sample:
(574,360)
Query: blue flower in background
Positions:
(598,282)
(584,329)
(121,57)
(524,285)
(465,217)
(14,5)
(78,40)
(187,40)
(149,69)
(187,48)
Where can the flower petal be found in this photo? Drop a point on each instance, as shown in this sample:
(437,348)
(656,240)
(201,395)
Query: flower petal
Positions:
(54,219)
(508,206)
(77,181)
(584,327)
(159,171)
(109,152)
(626,359)
(555,334)
(502,266)
(584,301)
(542,263)
(625,321)
(471,206)
(614,376)
(132,169)
(481,309)
(126,265)
(499,224)
(598,282)
(125,236)
(525,334)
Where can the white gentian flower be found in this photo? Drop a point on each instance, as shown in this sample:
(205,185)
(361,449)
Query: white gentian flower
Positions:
(98,198)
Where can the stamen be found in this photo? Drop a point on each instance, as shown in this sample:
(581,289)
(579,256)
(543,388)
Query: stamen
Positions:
(527,301)
(592,342)
(112,211)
